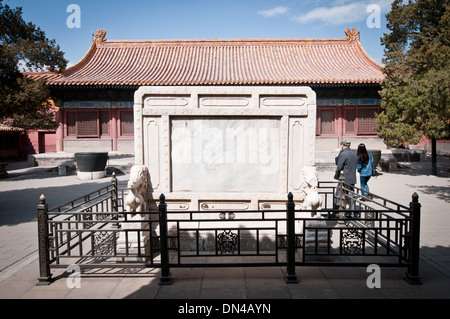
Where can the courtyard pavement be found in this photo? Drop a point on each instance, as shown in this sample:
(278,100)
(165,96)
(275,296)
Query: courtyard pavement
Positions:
(19,196)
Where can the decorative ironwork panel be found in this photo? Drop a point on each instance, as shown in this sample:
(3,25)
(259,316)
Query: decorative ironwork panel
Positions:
(104,243)
(88,217)
(104,217)
(227,242)
(352,241)
(370,214)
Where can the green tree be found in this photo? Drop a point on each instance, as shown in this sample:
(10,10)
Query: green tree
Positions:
(25,103)
(416,91)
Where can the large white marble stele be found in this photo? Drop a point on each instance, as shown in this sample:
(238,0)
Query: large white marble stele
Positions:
(225,147)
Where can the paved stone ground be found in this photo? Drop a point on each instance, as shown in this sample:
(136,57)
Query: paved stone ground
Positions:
(18,249)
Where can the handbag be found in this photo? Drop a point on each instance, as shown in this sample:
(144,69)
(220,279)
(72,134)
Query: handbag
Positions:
(374,170)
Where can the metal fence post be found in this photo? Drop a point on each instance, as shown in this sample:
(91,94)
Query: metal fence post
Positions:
(45,276)
(115,201)
(290,220)
(114,193)
(412,276)
(165,278)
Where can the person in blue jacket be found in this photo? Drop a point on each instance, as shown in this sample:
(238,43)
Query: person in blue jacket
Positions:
(364,167)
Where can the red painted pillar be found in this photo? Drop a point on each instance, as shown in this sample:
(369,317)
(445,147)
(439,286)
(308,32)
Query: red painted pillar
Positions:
(60,116)
(339,123)
(114,128)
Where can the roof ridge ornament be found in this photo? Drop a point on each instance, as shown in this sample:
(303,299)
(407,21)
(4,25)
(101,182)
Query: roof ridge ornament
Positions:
(352,35)
(99,37)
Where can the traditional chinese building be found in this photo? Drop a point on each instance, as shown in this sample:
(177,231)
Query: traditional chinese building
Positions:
(95,96)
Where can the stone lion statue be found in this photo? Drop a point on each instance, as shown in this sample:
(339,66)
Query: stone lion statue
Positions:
(309,187)
(138,185)
(313,201)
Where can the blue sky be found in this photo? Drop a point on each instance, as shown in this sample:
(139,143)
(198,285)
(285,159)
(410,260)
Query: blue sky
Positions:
(206,19)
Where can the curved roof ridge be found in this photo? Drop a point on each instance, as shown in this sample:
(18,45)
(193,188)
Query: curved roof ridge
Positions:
(221,62)
(368,57)
(224,42)
(87,57)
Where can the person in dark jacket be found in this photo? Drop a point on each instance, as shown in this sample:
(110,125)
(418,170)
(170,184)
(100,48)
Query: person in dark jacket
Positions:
(346,161)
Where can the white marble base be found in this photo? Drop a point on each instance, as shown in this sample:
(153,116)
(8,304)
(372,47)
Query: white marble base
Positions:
(91,175)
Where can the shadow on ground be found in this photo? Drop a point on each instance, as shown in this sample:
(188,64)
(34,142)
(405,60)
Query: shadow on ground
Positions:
(20,205)
(425,168)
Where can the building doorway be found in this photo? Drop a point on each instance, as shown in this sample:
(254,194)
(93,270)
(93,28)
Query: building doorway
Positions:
(46,142)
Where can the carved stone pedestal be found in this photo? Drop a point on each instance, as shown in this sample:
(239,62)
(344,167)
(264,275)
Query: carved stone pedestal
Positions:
(322,235)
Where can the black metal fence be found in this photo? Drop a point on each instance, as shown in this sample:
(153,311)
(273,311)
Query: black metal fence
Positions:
(351,230)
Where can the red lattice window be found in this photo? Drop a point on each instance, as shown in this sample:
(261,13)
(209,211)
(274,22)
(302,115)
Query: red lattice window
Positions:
(350,116)
(72,123)
(367,121)
(126,123)
(104,123)
(325,122)
(88,123)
